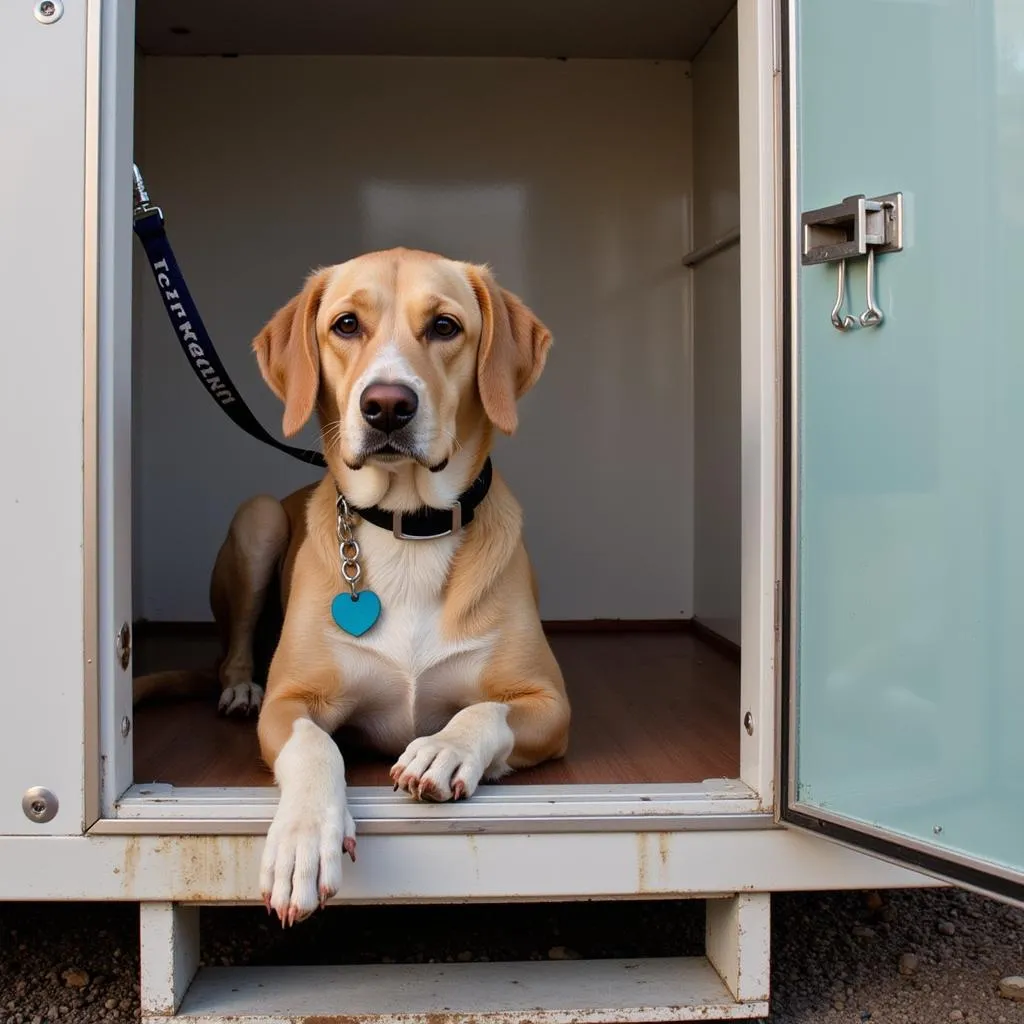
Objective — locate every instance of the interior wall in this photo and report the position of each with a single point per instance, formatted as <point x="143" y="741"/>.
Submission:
<point x="716" y="332"/>
<point x="572" y="179"/>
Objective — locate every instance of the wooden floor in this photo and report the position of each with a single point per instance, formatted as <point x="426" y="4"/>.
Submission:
<point x="647" y="707"/>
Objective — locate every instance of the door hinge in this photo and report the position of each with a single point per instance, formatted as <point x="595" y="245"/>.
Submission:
<point x="123" y="645"/>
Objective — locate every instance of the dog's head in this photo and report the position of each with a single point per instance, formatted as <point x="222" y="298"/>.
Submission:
<point x="406" y="355"/>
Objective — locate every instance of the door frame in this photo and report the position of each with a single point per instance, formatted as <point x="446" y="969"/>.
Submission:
<point x="958" y="869"/>
<point x="107" y="401"/>
<point x="108" y="543"/>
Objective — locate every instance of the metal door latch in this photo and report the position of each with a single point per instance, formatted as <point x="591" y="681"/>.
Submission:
<point x="857" y="227"/>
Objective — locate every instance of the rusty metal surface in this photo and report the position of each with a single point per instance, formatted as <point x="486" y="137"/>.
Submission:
<point x="409" y="868"/>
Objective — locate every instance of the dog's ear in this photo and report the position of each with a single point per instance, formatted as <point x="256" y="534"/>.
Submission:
<point x="513" y="349"/>
<point x="289" y="356"/>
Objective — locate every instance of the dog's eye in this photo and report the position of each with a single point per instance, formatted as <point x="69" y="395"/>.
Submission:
<point x="347" y="324"/>
<point x="443" y="328"/>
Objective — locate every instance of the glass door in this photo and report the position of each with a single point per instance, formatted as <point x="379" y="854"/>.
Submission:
<point x="904" y="719"/>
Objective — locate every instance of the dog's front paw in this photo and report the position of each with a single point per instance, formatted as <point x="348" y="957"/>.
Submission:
<point x="302" y="858"/>
<point x="438" y="768"/>
<point x="241" y="699"/>
<point x="312" y="829"/>
<point x="450" y="764"/>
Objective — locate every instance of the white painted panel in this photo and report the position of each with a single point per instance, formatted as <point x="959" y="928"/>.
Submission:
<point x="716" y="335"/>
<point x="547" y="992"/>
<point x="443" y="868"/>
<point x="571" y="178"/>
<point x="42" y="242"/>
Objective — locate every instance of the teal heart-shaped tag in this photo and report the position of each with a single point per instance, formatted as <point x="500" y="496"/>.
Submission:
<point x="356" y="613"/>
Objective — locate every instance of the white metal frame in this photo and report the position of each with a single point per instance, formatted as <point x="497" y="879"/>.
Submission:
<point x="760" y="329"/>
<point x="714" y="804"/>
<point x="44" y="295"/>
<point x="409" y="868"/>
<point x="143" y="808"/>
<point x="108" y="386"/>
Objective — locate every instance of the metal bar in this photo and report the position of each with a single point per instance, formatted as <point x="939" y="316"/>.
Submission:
<point x="729" y="239"/>
<point x="247" y="811"/>
<point x="725" y="821"/>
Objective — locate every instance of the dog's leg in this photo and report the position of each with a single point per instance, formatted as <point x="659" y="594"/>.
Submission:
<point x="485" y="740"/>
<point x="245" y="565"/>
<point x="312" y="827"/>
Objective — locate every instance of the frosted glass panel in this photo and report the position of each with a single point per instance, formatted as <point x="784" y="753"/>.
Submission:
<point x="910" y="693"/>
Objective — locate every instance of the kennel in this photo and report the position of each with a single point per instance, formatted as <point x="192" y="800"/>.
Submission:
<point x="804" y="677"/>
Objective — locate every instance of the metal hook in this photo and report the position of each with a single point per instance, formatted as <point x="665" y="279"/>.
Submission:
<point x="842" y="323"/>
<point x="141" y="204"/>
<point x="872" y="316"/>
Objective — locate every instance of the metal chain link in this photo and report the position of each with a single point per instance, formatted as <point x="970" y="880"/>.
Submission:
<point x="348" y="546"/>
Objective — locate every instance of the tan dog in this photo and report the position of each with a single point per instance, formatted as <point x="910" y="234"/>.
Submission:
<point x="411" y="360"/>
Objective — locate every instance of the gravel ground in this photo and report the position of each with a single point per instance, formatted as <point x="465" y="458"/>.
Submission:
<point x="891" y="958"/>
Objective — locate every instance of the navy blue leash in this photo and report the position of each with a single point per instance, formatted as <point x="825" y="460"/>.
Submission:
<point x="189" y="328"/>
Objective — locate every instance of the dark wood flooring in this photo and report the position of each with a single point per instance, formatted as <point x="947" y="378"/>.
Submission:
<point x="647" y="707"/>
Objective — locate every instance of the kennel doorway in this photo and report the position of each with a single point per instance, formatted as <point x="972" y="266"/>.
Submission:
<point x="610" y="201"/>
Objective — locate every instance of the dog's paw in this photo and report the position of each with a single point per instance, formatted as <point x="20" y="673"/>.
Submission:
<point x="438" y="768"/>
<point x="301" y="866"/>
<point x="241" y="699"/>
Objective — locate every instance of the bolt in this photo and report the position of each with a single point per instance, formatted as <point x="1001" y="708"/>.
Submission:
<point x="48" y="11"/>
<point x="39" y="805"/>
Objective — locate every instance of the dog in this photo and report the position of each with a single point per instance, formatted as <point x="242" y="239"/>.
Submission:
<point x="410" y="608"/>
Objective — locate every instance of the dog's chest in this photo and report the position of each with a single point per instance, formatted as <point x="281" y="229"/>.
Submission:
<point x="406" y="676"/>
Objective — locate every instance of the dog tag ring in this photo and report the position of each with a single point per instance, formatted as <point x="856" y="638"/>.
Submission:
<point x="357" y="611"/>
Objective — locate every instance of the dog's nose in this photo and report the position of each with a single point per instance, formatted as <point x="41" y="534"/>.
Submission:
<point x="388" y="407"/>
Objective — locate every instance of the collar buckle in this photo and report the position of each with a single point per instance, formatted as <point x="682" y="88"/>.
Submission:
<point x="400" y="534"/>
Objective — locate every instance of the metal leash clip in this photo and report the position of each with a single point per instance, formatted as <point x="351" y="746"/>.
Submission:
<point x="141" y="206"/>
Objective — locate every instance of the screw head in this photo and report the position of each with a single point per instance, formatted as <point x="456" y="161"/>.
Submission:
<point x="126" y="726"/>
<point x="937" y="829"/>
<point x="48" y="11"/>
<point x="39" y="805"/>
<point x="748" y="723"/>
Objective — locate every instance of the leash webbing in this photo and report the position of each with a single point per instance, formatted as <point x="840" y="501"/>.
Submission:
<point x="191" y="332"/>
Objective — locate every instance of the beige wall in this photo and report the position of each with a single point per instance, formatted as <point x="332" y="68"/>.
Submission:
<point x="716" y="334"/>
<point x="572" y="178"/>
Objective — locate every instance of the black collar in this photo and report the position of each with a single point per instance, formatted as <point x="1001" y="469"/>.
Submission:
<point x="432" y="523"/>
